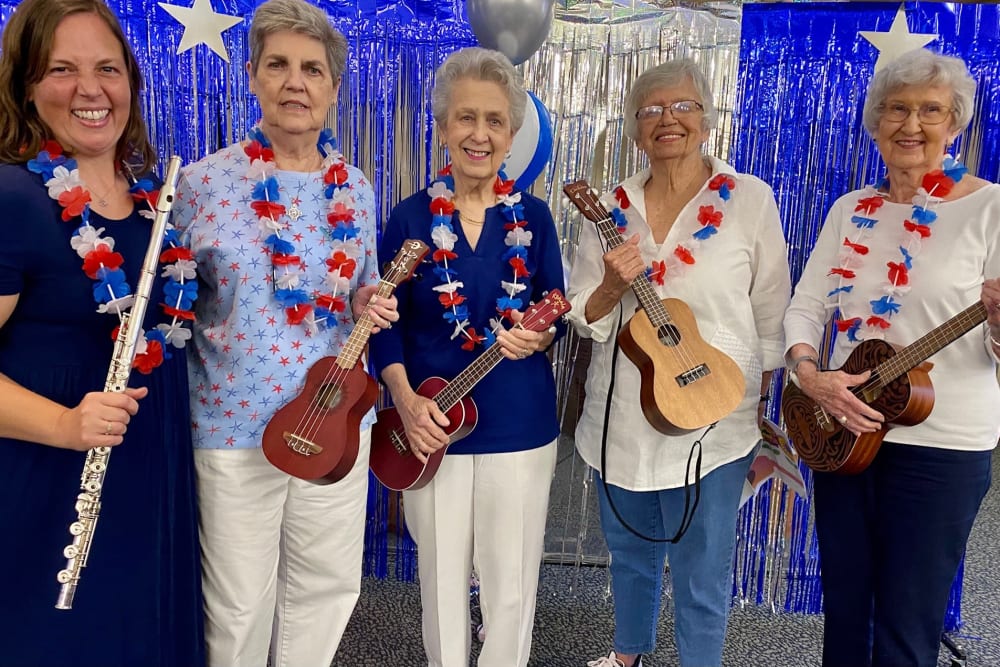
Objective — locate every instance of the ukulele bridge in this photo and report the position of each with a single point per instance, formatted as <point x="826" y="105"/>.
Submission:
<point x="301" y="445"/>
<point x="693" y="375"/>
<point x="398" y="441"/>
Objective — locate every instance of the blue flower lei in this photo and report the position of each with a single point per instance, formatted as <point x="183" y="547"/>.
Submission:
<point x="318" y="311"/>
<point x="103" y="265"/>
<point x="935" y="185"/>
<point x="518" y="238"/>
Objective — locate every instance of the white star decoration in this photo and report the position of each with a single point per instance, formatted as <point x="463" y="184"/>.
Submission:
<point x="897" y="41"/>
<point x="202" y="25"/>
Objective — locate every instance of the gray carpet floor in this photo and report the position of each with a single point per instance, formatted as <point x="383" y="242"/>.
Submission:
<point x="574" y="621"/>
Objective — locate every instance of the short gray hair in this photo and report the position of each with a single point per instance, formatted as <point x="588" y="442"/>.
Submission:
<point x="299" y="17"/>
<point x="922" y="68"/>
<point x="480" y="65"/>
<point x="666" y="75"/>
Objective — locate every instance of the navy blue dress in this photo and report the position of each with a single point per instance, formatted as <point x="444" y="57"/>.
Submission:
<point x="138" y="603"/>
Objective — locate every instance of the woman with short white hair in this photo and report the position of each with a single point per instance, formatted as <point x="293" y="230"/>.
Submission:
<point x="893" y="262"/>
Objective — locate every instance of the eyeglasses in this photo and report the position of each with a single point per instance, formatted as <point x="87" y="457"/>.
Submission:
<point x="676" y="109"/>
<point x="928" y="114"/>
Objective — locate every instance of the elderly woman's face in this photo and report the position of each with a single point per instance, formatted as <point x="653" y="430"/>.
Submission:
<point x="293" y="84"/>
<point x="84" y="97"/>
<point x="673" y="134"/>
<point x="915" y="141"/>
<point x="478" y="129"/>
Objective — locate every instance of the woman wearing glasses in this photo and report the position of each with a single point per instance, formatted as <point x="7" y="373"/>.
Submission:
<point x="894" y="262"/>
<point x="711" y="237"/>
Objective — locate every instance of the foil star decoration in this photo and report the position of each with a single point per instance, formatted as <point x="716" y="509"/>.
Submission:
<point x="897" y="41"/>
<point x="202" y="25"/>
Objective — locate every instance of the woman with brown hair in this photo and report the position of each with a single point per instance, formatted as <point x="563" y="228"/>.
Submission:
<point x="70" y="137"/>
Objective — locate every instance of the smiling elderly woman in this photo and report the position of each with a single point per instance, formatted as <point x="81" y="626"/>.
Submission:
<point x="496" y="251"/>
<point x="710" y="237"/>
<point x="281" y="283"/>
<point x="907" y="517"/>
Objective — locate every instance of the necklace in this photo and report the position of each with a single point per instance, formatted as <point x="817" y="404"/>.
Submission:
<point x="319" y="310"/>
<point x="102" y="200"/>
<point x="934" y="187"/>
<point x="443" y="236"/>
<point x="470" y="221"/>
<point x="683" y="256"/>
<point x="103" y="265"/>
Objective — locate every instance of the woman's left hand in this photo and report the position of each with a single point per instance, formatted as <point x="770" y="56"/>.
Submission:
<point x="991" y="299"/>
<point x="381" y="310"/>
<point x="518" y="343"/>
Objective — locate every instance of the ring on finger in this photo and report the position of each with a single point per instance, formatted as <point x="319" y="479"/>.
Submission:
<point x="843" y="419"/>
<point x="107" y="428"/>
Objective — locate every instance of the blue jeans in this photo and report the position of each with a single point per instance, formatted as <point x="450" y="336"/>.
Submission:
<point x="890" y="541"/>
<point x="700" y="563"/>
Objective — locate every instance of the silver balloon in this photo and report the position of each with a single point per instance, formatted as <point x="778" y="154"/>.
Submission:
<point x="515" y="28"/>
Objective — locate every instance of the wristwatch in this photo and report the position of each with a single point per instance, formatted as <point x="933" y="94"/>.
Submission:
<point x="792" y="375"/>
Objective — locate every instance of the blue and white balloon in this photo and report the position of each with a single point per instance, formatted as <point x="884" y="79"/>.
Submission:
<point x="532" y="145"/>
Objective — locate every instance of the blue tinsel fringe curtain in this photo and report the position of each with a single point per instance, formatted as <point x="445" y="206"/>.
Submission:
<point x="804" y="70"/>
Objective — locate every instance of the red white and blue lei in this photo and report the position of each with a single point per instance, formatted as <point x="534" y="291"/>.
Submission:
<point x="103" y="265"/>
<point x="935" y="186"/>
<point x="518" y="239"/>
<point x="683" y="256"/>
<point x="316" y="311"/>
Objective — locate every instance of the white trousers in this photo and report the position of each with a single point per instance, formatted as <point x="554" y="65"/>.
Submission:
<point x="490" y="509"/>
<point x="281" y="558"/>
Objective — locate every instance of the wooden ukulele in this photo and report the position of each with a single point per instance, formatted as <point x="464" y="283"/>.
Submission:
<point x="685" y="382"/>
<point x="391" y="459"/>
<point x="899" y="387"/>
<point x="315" y="436"/>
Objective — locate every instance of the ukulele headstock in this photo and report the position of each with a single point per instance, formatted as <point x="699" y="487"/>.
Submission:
<point x="405" y="262"/>
<point x="585" y="198"/>
<point x="540" y="316"/>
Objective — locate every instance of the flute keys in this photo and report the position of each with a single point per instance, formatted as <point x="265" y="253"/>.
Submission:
<point x="76" y="528"/>
<point x="71" y="551"/>
<point x="64" y="576"/>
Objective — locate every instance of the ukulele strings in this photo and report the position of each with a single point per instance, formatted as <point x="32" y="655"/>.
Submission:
<point x="312" y="419"/>
<point x="493" y="351"/>
<point x="615" y="239"/>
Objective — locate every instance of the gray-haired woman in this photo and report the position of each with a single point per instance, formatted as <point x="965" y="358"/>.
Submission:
<point x="283" y="231"/>
<point x="705" y="234"/>
<point x="894" y="262"/>
<point x="496" y="250"/>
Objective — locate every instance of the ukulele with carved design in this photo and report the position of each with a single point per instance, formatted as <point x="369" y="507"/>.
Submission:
<point x="899" y="387"/>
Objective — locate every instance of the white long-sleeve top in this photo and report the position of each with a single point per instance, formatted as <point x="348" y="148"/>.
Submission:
<point x="945" y="279"/>
<point x="737" y="289"/>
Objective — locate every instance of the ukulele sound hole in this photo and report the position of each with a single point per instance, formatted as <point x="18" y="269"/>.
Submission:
<point x="328" y="396"/>
<point x="668" y="335"/>
<point x="698" y="372"/>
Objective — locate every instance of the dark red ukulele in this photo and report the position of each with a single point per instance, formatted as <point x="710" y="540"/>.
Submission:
<point x="391" y="459"/>
<point x="315" y="436"/>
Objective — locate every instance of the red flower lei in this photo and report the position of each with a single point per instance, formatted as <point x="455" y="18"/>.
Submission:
<point x="709" y="217"/>
<point x="103" y="265"/>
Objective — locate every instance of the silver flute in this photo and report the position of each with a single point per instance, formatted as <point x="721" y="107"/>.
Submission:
<point x="88" y="502"/>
